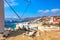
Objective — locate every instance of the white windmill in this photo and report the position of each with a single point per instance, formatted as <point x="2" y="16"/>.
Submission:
<point x="1" y="16"/>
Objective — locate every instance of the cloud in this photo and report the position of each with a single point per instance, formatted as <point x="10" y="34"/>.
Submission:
<point x="40" y="11"/>
<point x="48" y="11"/>
<point x="55" y="10"/>
<point x="43" y="11"/>
<point x="11" y="17"/>
<point x="11" y="2"/>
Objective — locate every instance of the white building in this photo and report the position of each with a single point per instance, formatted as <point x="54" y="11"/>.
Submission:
<point x="21" y="25"/>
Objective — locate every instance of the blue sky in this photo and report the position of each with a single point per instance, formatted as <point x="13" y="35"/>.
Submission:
<point x="36" y="8"/>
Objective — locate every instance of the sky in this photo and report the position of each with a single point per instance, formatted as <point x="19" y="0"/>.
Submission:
<point x="36" y="8"/>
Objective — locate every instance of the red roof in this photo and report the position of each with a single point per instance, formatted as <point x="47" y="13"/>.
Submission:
<point x="56" y="20"/>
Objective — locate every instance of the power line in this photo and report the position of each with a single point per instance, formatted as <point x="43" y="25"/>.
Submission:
<point x="13" y="10"/>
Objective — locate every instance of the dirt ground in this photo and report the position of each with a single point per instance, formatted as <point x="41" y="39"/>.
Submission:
<point x="50" y="35"/>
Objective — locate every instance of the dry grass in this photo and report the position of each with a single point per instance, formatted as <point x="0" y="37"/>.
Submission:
<point x="51" y="35"/>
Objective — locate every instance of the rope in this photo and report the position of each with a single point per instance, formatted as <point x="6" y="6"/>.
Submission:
<point x="29" y="2"/>
<point x="13" y="10"/>
<point x="25" y="10"/>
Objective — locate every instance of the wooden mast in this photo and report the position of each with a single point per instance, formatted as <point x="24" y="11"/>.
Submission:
<point x="1" y="16"/>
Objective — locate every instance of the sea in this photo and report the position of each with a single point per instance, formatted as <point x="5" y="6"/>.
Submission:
<point x="10" y="25"/>
<point x="13" y="24"/>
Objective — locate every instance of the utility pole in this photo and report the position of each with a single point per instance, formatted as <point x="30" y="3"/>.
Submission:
<point x="1" y="16"/>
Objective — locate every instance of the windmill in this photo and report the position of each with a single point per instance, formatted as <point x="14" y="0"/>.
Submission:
<point x="2" y="13"/>
<point x="1" y="16"/>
